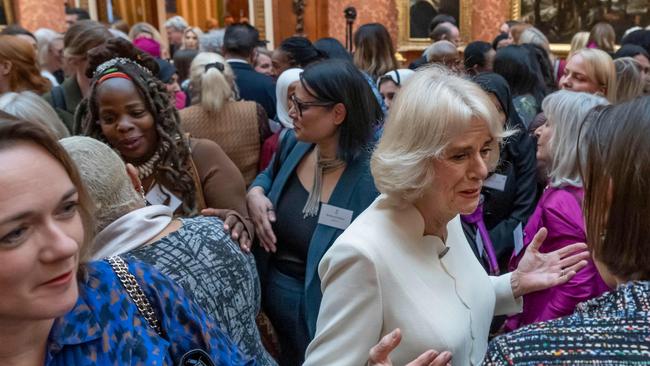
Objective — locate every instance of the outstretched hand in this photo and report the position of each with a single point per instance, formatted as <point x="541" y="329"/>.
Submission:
<point x="538" y="271"/>
<point x="380" y="353"/>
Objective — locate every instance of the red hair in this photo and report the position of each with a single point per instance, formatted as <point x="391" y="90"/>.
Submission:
<point x="24" y="74"/>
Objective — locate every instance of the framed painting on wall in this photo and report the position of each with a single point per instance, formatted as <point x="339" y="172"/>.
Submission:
<point x="6" y="13"/>
<point x="414" y="17"/>
<point x="561" y="19"/>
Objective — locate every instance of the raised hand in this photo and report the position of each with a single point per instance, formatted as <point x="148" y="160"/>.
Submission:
<point x="539" y="271"/>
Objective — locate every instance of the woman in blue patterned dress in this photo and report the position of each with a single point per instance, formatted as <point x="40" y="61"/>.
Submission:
<point x="56" y="311"/>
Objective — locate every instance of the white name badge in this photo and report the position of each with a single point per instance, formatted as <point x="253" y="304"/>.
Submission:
<point x="159" y="195"/>
<point x="518" y="235"/>
<point x="496" y="181"/>
<point x="333" y="216"/>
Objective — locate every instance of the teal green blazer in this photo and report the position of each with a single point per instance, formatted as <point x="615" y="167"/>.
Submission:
<point x="354" y="191"/>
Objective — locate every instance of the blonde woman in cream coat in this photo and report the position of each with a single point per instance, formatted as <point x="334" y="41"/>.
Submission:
<point x="405" y="262"/>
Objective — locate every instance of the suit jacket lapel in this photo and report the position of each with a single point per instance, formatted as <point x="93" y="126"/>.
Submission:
<point x="322" y="237"/>
<point x="288" y="166"/>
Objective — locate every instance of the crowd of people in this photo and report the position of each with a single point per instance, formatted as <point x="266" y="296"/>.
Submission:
<point x="214" y="202"/>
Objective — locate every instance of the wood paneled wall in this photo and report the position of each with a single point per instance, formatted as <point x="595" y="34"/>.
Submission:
<point x="135" y="11"/>
<point x="196" y="12"/>
<point x="316" y="22"/>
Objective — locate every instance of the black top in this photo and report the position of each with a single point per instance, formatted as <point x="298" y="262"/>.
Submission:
<point x="292" y="231"/>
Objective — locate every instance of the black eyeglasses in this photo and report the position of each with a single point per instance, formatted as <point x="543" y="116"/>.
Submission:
<point x="301" y="106"/>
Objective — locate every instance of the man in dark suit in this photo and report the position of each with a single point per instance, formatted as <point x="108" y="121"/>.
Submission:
<point x="238" y="46"/>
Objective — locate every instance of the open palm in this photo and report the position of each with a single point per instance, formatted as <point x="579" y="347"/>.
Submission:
<point x="538" y="271"/>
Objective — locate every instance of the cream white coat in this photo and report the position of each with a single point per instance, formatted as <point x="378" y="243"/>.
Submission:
<point x="382" y="274"/>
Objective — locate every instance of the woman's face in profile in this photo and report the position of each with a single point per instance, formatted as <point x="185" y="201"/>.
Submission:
<point x="40" y="235"/>
<point x="280" y="61"/>
<point x="576" y="79"/>
<point x="291" y="90"/>
<point x="263" y="64"/>
<point x="125" y="121"/>
<point x="313" y="120"/>
<point x="544" y="134"/>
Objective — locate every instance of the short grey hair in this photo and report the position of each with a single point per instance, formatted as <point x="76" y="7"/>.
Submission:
<point x="177" y="22"/>
<point x="534" y="36"/>
<point x="31" y="107"/>
<point x="629" y="79"/>
<point x="565" y="111"/>
<point x="432" y="108"/>
<point x="104" y="176"/>
<point x="440" y="50"/>
<point x="212" y="41"/>
<point x="44" y="38"/>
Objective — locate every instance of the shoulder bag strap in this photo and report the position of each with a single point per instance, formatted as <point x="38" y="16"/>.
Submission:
<point x="134" y="290"/>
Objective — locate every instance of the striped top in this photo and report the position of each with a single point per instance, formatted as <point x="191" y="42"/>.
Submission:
<point x="613" y="329"/>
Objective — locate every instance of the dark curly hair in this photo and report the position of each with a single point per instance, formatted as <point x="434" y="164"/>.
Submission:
<point x="174" y="167"/>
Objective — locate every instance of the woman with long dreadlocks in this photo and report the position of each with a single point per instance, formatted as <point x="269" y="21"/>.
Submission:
<point x="129" y="109"/>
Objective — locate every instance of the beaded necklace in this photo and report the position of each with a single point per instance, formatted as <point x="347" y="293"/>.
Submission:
<point x="146" y="169"/>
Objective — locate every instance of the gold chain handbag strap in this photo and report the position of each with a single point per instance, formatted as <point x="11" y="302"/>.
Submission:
<point x="135" y="292"/>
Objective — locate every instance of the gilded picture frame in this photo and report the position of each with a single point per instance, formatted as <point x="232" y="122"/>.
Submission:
<point x="559" y="49"/>
<point x="8" y="11"/>
<point x="407" y="43"/>
<point x="559" y="20"/>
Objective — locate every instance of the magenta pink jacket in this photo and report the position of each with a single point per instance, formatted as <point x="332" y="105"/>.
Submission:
<point x="559" y="211"/>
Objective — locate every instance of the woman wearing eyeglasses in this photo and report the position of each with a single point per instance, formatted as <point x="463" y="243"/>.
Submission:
<point x="318" y="182"/>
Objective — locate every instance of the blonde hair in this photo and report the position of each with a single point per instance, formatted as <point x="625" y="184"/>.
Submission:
<point x="629" y="79"/>
<point x="31" y="107"/>
<point x="211" y="88"/>
<point x="578" y="42"/>
<point x="197" y="31"/>
<point x="566" y="110"/>
<point x="600" y="68"/>
<point x="432" y="107"/>
<point x="142" y="27"/>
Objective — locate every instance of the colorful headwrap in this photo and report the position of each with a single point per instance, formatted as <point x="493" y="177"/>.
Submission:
<point x="111" y="66"/>
<point x="111" y="74"/>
